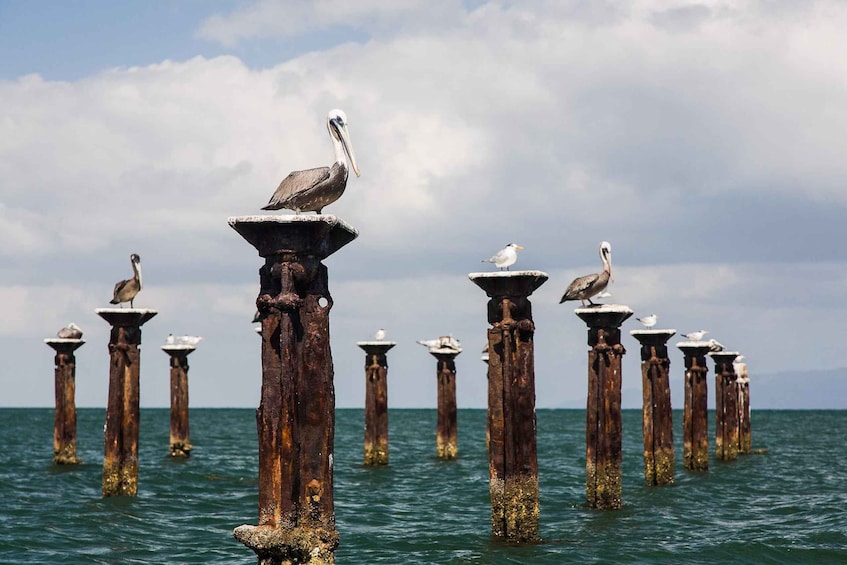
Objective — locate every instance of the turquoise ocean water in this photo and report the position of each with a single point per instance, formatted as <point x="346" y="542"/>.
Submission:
<point x="786" y="506"/>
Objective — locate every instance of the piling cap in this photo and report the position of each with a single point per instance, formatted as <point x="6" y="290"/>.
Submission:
<point x="652" y="337"/>
<point x="374" y="346"/>
<point x="176" y="349"/>
<point x="444" y="351"/>
<point x="318" y="235"/>
<point x="604" y="315"/>
<point x="68" y="344"/>
<point x="126" y="317"/>
<point x="509" y="283"/>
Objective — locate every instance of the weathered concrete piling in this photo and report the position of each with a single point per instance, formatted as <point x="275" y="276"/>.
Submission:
<point x="726" y="406"/>
<point x="64" y="419"/>
<point x="180" y="442"/>
<point x="513" y="461"/>
<point x="446" y="429"/>
<point x="603" y="453"/>
<point x="376" y="401"/>
<point x="695" y="429"/>
<point x="745" y="440"/>
<point x="296" y="414"/>
<point x="120" y="460"/>
<point x="657" y="421"/>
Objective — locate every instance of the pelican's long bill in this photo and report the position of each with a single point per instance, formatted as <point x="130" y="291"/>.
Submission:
<point x="344" y="136"/>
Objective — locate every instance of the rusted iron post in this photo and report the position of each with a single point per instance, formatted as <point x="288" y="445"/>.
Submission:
<point x="120" y="459"/>
<point x="695" y="429"/>
<point x="484" y="359"/>
<point x="603" y="454"/>
<point x="180" y="443"/>
<point x="745" y="440"/>
<point x="446" y="429"/>
<point x="657" y="421"/>
<point x="512" y="455"/>
<point x="64" y="419"/>
<point x="296" y="414"/>
<point x="726" y="406"/>
<point x="376" y="401"/>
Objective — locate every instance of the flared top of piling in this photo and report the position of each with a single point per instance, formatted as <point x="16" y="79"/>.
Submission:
<point x="126" y="317"/>
<point x="178" y="349"/>
<point x="64" y="345"/>
<point x="509" y="283"/>
<point x="652" y="337"/>
<point x="724" y="356"/>
<point x="316" y="235"/>
<point x="695" y="348"/>
<point x="604" y="315"/>
<point x="376" y="347"/>
<point x="444" y="351"/>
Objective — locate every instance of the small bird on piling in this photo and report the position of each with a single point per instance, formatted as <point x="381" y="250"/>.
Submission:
<point x="71" y="331"/>
<point x="169" y="340"/>
<point x="190" y="340"/>
<point x="715" y="347"/>
<point x="695" y="336"/>
<point x="125" y="291"/>
<point x="313" y="189"/>
<point x="430" y="342"/>
<point x="584" y="288"/>
<point x="648" y="321"/>
<point x="379" y="335"/>
<point x="506" y="257"/>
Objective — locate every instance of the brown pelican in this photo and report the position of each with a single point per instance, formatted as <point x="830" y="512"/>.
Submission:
<point x="648" y="321"/>
<point x="312" y="189"/>
<point x="125" y="291"/>
<point x="583" y="288"/>
<point x="695" y="336"/>
<point x="506" y="257"/>
<point x="71" y="331"/>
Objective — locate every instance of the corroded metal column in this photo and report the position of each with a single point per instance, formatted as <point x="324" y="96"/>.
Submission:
<point x="726" y="406"/>
<point x="603" y="454"/>
<point x="484" y="359"/>
<point x="695" y="428"/>
<point x="64" y="420"/>
<point x="296" y="415"/>
<point x="512" y="455"/>
<point x="745" y="441"/>
<point x="376" y="401"/>
<point x="180" y="443"/>
<point x="657" y="421"/>
<point x="446" y="429"/>
<point x="120" y="460"/>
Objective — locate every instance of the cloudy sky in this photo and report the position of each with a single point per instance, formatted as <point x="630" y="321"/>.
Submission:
<point x="704" y="140"/>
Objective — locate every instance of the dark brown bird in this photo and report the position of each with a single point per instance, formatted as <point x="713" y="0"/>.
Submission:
<point x="312" y="189"/>
<point x="583" y="288"/>
<point x="125" y="291"/>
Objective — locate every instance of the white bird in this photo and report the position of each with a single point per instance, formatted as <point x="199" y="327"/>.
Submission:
<point x="430" y="342"/>
<point x="584" y="288"/>
<point x="71" y="331"/>
<point x="190" y="340"/>
<point x="450" y="342"/>
<point x="169" y="340"/>
<point x="715" y="346"/>
<point x="604" y="294"/>
<point x="379" y="335"/>
<point x="695" y="336"/>
<point x="506" y="257"/>
<point x="258" y="329"/>
<point x="648" y="321"/>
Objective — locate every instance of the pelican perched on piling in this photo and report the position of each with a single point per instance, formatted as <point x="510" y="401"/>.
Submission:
<point x="125" y="291"/>
<point x="583" y="288"/>
<point x="313" y="189"/>
<point x="506" y="257"/>
<point x="71" y="331"/>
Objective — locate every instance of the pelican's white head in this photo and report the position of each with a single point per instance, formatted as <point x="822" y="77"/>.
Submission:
<point x="336" y="123"/>
<point x="606" y="257"/>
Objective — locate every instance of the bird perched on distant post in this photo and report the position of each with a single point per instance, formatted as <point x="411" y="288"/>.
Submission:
<point x="379" y="335"/>
<point x="584" y="288"/>
<point x="648" y="321"/>
<point x="715" y="346"/>
<point x="695" y="336"/>
<point x="71" y="331"/>
<point x="430" y="342"/>
<point x="125" y="291"/>
<point x="190" y="340"/>
<point x="506" y="257"/>
<point x="313" y="189"/>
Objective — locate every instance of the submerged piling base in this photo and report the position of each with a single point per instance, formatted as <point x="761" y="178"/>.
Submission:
<point x="287" y="546"/>
<point x="514" y="507"/>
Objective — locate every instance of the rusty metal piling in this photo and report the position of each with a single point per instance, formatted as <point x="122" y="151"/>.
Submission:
<point x="745" y="441"/>
<point x="603" y="453"/>
<point x="120" y="459"/>
<point x="513" y="460"/>
<point x="64" y="420"/>
<point x="296" y="415"/>
<point x="695" y="429"/>
<point x="180" y="442"/>
<point x="376" y="401"/>
<point x="726" y="406"/>
<point x="657" y="421"/>
<point x="446" y="429"/>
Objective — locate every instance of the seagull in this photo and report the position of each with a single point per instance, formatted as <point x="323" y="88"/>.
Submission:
<point x="430" y="342"/>
<point x="125" y="291"/>
<point x="71" y="331"/>
<point x="648" y="321"/>
<point x="379" y="335"/>
<point x="190" y="340"/>
<point x="450" y="342"/>
<point x="714" y="346"/>
<point x="506" y="257"/>
<point x="312" y="189"/>
<point x="695" y="336"/>
<point x="583" y="288"/>
<point x="169" y="340"/>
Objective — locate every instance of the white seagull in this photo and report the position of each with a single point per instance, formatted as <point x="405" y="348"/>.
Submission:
<point x="648" y="321"/>
<point x="191" y="340"/>
<point x="506" y="257"/>
<point x="169" y="340"/>
<point x="379" y="335"/>
<point x="695" y="336"/>
<point x="71" y="331"/>
<point x="430" y="342"/>
<point x="715" y="346"/>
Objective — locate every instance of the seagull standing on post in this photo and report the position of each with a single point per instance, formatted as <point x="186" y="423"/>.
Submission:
<point x="648" y="321"/>
<point x="506" y="257"/>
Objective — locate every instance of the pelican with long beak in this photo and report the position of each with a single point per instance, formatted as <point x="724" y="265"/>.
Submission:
<point x="125" y="291"/>
<point x="584" y="288"/>
<point x="313" y="189"/>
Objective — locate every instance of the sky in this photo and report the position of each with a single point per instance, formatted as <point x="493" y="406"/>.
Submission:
<point x="704" y="140"/>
